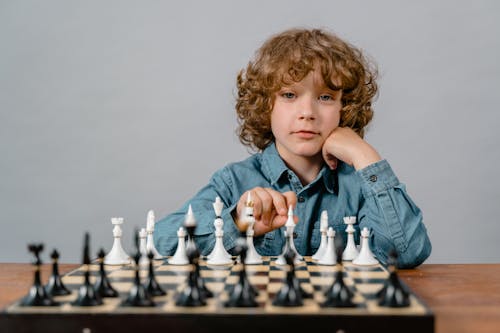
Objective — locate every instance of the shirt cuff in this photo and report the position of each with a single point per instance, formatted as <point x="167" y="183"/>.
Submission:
<point x="377" y="177"/>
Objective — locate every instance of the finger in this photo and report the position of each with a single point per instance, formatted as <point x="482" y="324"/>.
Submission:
<point x="279" y="201"/>
<point x="266" y="204"/>
<point x="330" y="160"/>
<point x="291" y="199"/>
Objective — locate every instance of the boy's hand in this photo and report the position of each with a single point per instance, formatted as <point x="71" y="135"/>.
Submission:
<point x="346" y="145"/>
<point x="270" y="209"/>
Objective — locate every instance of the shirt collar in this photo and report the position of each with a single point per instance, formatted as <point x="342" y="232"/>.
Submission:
<point x="275" y="167"/>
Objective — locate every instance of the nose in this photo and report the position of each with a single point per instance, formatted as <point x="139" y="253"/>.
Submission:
<point x="307" y="109"/>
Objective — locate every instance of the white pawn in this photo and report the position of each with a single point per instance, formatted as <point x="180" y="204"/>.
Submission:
<point x="329" y="258"/>
<point x="252" y="256"/>
<point x="290" y="227"/>
<point x="219" y="255"/>
<point x="150" y="228"/>
<point x="219" y="225"/>
<point x="350" y="251"/>
<point x="144" y="261"/>
<point x="323" y="227"/>
<point x="117" y="255"/>
<point x="365" y="257"/>
<point x="180" y="255"/>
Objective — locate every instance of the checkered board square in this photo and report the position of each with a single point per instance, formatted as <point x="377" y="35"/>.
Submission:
<point x="267" y="278"/>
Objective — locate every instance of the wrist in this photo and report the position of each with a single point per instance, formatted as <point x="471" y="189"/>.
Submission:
<point x="365" y="157"/>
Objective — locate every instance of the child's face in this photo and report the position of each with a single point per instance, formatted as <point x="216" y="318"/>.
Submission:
<point x="303" y="116"/>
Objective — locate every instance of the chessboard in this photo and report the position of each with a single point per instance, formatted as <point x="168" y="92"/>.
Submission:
<point x="267" y="278"/>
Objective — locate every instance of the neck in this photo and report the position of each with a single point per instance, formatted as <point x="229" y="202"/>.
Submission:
<point x="306" y="169"/>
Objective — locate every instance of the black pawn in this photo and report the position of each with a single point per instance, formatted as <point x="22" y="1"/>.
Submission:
<point x="138" y="295"/>
<point x="290" y="293"/>
<point x="55" y="286"/>
<point x="193" y="293"/>
<point x="37" y="295"/>
<point x="152" y="286"/>
<point x="393" y="294"/>
<point x="339" y="295"/>
<point x="87" y="295"/>
<point x="103" y="286"/>
<point x="243" y="294"/>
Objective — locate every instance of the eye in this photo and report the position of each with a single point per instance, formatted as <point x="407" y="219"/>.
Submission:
<point x="288" y="95"/>
<point x="325" y="98"/>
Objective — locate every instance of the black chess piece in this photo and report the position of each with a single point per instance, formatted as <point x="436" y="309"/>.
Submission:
<point x="138" y="295"/>
<point x="243" y="294"/>
<point x="37" y="295"/>
<point x="290" y="293"/>
<point x="393" y="294"/>
<point x="339" y="295"/>
<point x="87" y="295"/>
<point x="152" y="286"/>
<point x="194" y="293"/>
<point x="102" y="286"/>
<point x="287" y="247"/>
<point x="55" y="286"/>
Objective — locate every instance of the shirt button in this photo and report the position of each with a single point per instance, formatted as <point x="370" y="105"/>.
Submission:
<point x="301" y="199"/>
<point x="373" y="178"/>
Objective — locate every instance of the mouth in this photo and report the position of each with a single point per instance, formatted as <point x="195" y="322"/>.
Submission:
<point x="305" y="134"/>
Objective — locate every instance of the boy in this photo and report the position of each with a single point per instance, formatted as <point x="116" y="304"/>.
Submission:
<point x="303" y="103"/>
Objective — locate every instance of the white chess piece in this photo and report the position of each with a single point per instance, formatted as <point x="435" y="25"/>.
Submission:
<point x="290" y="227"/>
<point x="350" y="251"/>
<point x="180" y="256"/>
<point x="117" y="255"/>
<point x="190" y="221"/>
<point x="323" y="227"/>
<point x="329" y="258"/>
<point x="219" y="235"/>
<point x="144" y="261"/>
<point x="365" y="257"/>
<point x="150" y="228"/>
<point x="219" y="255"/>
<point x="252" y="256"/>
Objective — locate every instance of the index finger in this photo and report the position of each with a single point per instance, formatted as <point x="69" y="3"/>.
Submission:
<point x="291" y="198"/>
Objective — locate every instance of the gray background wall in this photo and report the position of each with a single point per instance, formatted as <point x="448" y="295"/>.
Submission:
<point x="112" y="108"/>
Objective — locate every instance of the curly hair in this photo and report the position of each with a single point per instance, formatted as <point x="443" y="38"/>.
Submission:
<point x="288" y="57"/>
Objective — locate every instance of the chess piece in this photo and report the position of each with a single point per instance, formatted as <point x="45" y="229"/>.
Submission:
<point x="195" y="291"/>
<point x="252" y="257"/>
<point x="338" y="294"/>
<point x="87" y="295"/>
<point x="117" y="255"/>
<point x="150" y="228"/>
<point x="37" y="295"/>
<point x="289" y="294"/>
<point x="55" y="286"/>
<point x="323" y="227"/>
<point x="329" y="257"/>
<point x="219" y="255"/>
<point x="180" y="256"/>
<point x="290" y="227"/>
<point x="393" y="294"/>
<point x="350" y="251"/>
<point x="152" y="285"/>
<point x="138" y="295"/>
<point x="243" y="294"/>
<point x="103" y="286"/>
<point x="365" y="256"/>
<point x="142" y="247"/>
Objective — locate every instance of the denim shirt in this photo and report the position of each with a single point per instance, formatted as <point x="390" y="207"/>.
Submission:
<point x="373" y="194"/>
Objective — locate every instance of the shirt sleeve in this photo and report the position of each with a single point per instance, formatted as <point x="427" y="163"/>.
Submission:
<point x="165" y="233"/>
<point x="392" y="216"/>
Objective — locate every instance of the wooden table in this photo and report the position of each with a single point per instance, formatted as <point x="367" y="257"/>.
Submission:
<point x="464" y="298"/>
